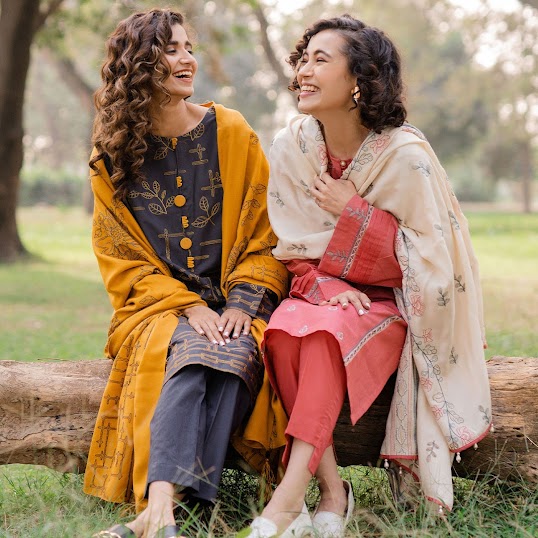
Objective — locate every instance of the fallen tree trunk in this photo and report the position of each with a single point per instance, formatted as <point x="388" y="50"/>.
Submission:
<point x="48" y="410"/>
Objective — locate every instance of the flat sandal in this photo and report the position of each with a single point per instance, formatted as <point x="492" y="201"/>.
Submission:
<point x="116" y="531"/>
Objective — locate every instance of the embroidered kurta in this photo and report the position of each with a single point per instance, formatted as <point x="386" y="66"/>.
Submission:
<point x="370" y="344"/>
<point x="147" y="301"/>
<point x="442" y="402"/>
<point x="179" y="208"/>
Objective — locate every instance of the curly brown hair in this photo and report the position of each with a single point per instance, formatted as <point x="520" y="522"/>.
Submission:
<point x="131" y="74"/>
<point x="374" y="61"/>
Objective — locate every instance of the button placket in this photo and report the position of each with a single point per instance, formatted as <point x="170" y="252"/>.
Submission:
<point x="179" y="201"/>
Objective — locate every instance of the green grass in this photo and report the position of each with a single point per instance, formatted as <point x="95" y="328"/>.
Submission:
<point x="54" y="306"/>
<point x="507" y="248"/>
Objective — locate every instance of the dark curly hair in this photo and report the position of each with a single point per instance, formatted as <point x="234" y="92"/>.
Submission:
<point x="373" y="60"/>
<point x="131" y="74"/>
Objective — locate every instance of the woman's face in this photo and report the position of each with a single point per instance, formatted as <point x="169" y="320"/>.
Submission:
<point x="326" y="84"/>
<point x="183" y="66"/>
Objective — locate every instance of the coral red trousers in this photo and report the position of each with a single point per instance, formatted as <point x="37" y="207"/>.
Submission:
<point x="309" y="377"/>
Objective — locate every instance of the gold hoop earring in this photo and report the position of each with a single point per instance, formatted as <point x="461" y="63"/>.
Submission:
<point x="356" y="94"/>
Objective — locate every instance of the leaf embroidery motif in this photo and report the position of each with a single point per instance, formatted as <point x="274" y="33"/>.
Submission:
<point x="443" y="298"/>
<point x="278" y="200"/>
<point x="301" y="249"/>
<point x="202" y="221"/>
<point x="154" y="193"/>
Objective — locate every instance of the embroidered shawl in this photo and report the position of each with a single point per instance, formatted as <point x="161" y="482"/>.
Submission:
<point x="147" y="301"/>
<point x="441" y="403"/>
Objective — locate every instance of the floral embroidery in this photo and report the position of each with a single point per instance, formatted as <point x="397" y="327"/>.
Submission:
<point x="291" y="308"/>
<point x="303" y="329"/>
<point x="379" y="144"/>
<point x="333" y="308"/>
<point x="322" y="154"/>
<point x="427" y="335"/>
<point x="453" y="356"/>
<point x="437" y="412"/>
<point x="417" y="305"/>
<point x="465" y="434"/>
<point x="340" y="335"/>
<point x="426" y="383"/>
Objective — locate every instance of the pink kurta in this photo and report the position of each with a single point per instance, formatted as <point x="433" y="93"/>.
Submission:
<point x="371" y="344"/>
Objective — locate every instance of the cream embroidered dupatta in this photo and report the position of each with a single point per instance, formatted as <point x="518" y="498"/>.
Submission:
<point x="441" y="403"/>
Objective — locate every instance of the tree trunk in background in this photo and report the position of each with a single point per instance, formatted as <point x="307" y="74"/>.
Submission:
<point x="17" y="24"/>
<point x="20" y="20"/>
<point x="526" y="177"/>
<point x="48" y="411"/>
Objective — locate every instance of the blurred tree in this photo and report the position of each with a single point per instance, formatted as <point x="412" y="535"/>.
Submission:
<point x="19" y="22"/>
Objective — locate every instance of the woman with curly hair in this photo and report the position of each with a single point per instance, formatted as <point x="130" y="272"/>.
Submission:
<point x="384" y="280"/>
<point x="183" y="242"/>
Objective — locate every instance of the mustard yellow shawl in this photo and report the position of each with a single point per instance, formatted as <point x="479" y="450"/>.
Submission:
<point x="147" y="301"/>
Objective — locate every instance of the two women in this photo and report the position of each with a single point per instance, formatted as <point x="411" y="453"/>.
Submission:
<point x="384" y="279"/>
<point x="183" y="242"/>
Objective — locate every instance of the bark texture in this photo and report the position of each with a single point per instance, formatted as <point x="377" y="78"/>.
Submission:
<point x="48" y="410"/>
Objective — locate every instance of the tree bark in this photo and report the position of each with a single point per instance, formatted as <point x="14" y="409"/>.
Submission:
<point x="48" y="410"/>
<point x="17" y="22"/>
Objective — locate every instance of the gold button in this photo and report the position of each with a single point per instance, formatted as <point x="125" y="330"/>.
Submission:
<point x="179" y="181"/>
<point x="185" y="243"/>
<point x="180" y="200"/>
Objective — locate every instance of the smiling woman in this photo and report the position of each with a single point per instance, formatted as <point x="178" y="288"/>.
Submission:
<point x="183" y="242"/>
<point x="384" y="280"/>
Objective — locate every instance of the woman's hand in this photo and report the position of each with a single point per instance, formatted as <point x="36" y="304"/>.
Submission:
<point x="233" y="321"/>
<point x="358" y="299"/>
<point x="205" y="322"/>
<point x="332" y="195"/>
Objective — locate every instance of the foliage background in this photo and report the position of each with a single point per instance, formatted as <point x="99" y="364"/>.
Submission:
<point x="471" y="75"/>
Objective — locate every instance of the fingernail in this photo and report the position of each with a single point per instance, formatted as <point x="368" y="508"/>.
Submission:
<point x="367" y="305"/>
<point x="215" y="342"/>
<point x="221" y="329"/>
<point x="227" y="340"/>
<point x="236" y="335"/>
<point x="226" y="333"/>
<point x="222" y="343"/>
<point x="361" y="312"/>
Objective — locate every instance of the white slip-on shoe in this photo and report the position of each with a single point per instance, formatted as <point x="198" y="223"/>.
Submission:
<point x="331" y="525"/>
<point x="301" y="526"/>
<point x="262" y="527"/>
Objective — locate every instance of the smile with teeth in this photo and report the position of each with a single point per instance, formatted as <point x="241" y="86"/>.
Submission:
<point x="308" y="88"/>
<point x="183" y="74"/>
